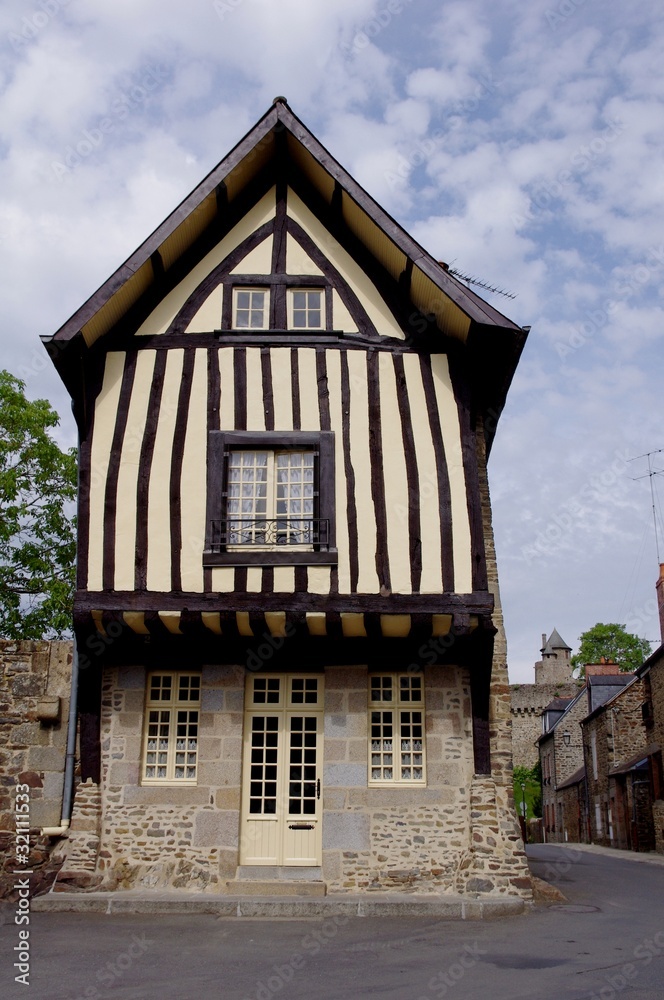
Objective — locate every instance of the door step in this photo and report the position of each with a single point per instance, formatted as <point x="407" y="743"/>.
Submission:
<point x="280" y="873"/>
<point x="269" y="887"/>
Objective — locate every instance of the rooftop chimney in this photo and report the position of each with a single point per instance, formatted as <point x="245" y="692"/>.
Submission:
<point x="659" y="587"/>
<point x="604" y="668"/>
<point x="543" y="639"/>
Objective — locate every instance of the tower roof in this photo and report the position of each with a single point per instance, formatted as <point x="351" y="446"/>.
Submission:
<point x="555" y="642"/>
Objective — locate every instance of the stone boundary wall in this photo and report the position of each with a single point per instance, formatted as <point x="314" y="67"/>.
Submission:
<point x="528" y="701"/>
<point x="35" y="679"/>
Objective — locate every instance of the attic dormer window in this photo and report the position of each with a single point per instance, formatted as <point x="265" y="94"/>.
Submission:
<point x="305" y="309"/>
<point x="250" y="308"/>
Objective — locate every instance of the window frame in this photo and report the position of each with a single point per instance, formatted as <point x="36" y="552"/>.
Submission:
<point x="291" y="309"/>
<point x="251" y="290"/>
<point x="220" y="443"/>
<point x="395" y="705"/>
<point x="278" y="311"/>
<point x="173" y="705"/>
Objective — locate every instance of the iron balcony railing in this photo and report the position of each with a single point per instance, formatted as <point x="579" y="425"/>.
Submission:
<point x="238" y="530"/>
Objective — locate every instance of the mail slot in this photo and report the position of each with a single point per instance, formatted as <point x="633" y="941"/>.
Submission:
<point x="300" y="826"/>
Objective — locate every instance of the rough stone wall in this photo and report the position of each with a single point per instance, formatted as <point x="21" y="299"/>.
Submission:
<point x="620" y="734"/>
<point x="597" y="779"/>
<point x="382" y="837"/>
<point x="554" y="669"/>
<point x="562" y="761"/>
<point x="455" y="834"/>
<point x="656" y="735"/>
<point x="573" y="814"/>
<point x="33" y="752"/>
<point x="187" y="836"/>
<point x="497" y="794"/>
<point x="528" y="701"/>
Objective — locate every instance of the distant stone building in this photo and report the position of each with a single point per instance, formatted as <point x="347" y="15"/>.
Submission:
<point x="553" y="679"/>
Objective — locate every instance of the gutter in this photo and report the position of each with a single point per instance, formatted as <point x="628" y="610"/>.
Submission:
<point x="70" y="759"/>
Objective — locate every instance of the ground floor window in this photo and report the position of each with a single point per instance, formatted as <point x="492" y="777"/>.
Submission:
<point x="396" y="729"/>
<point x="170" y="745"/>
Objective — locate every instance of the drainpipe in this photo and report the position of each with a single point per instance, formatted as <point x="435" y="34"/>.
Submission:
<point x="59" y="831"/>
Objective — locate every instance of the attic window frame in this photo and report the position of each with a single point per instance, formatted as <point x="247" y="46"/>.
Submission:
<point x="279" y="290"/>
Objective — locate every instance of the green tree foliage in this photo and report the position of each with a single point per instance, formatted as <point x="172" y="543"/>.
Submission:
<point x="37" y="529"/>
<point x="613" y="643"/>
<point x="532" y="779"/>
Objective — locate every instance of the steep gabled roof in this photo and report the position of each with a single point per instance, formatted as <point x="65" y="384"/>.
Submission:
<point x="277" y="146"/>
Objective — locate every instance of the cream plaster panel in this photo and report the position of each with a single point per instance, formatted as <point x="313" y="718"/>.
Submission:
<point x="254" y="579"/>
<point x="284" y="580"/>
<point x="159" y="501"/>
<point x="282" y="395"/>
<point x="193" y="482"/>
<point x="208" y="317"/>
<point x="125" y="518"/>
<point x="361" y="459"/>
<point x="396" y="483"/>
<point x="366" y="291"/>
<point x="227" y="386"/>
<point x="449" y="419"/>
<point x="258" y="260"/>
<point x="432" y="578"/>
<point x="336" y="420"/>
<point x="223" y="579"/>
<point x="297" y="261"/>
<point x="161" y="318"/>
<point x="255" y="406"/>
<point x="309" y="412"/>
<point x="341" y="318"/>
<point x="318" y="579"/>
<point x="106" y="410"/>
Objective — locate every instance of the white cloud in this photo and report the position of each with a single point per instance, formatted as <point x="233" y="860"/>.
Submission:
<point x="526" y="148"/>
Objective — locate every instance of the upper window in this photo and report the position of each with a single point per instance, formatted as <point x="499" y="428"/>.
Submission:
<point x="270" y="498"/>
<point x="279" y="306"/>
<point x="305" y="309"/>
<point x="396" y="729"/>
<point x="170" y="748"/>
<point x="250" y="308"/>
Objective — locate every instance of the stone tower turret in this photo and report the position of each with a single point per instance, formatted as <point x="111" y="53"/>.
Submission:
<point x="555" y="666"/>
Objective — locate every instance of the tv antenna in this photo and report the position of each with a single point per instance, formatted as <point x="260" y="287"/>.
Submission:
<point x="650" y="474"/>
<point x="470" y="280"/>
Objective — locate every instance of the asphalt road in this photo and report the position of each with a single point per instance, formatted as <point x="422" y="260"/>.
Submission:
<point x="606" y="942"/>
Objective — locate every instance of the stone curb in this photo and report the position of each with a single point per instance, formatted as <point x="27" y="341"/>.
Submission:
<point x="270" y="907"/>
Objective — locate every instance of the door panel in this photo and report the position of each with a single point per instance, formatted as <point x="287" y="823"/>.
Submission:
<point x="302" y="836"/>
<point x="281" y="795"/>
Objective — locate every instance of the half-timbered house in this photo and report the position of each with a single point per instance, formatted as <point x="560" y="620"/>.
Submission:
<point x="290" y="647"/>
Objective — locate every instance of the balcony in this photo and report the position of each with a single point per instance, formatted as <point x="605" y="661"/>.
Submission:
<point x="272" y="534"/>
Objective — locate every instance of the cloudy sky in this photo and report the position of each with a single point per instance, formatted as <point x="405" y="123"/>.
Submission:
<point x="521" y="141"/>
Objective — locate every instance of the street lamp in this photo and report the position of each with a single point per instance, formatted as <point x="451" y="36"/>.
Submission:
<point x="523" y="800"/>
<point x="567" y="739"/>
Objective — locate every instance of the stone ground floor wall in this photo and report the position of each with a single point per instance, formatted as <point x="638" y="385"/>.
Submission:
<point x="456" y="834"/>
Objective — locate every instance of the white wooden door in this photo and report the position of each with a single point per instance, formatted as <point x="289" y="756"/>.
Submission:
<point x="282" y="770"/>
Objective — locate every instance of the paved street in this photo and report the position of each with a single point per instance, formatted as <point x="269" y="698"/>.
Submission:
<point x="607" y="941"/>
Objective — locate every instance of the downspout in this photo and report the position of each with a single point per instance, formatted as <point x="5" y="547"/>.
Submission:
<point x="70" y="759"/>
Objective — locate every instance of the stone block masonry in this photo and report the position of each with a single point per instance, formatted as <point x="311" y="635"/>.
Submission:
<point x="35" y="681"/>
<point x="456" y="833"/>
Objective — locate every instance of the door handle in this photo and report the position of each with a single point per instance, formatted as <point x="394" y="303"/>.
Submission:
<point x="318" y="789"/>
